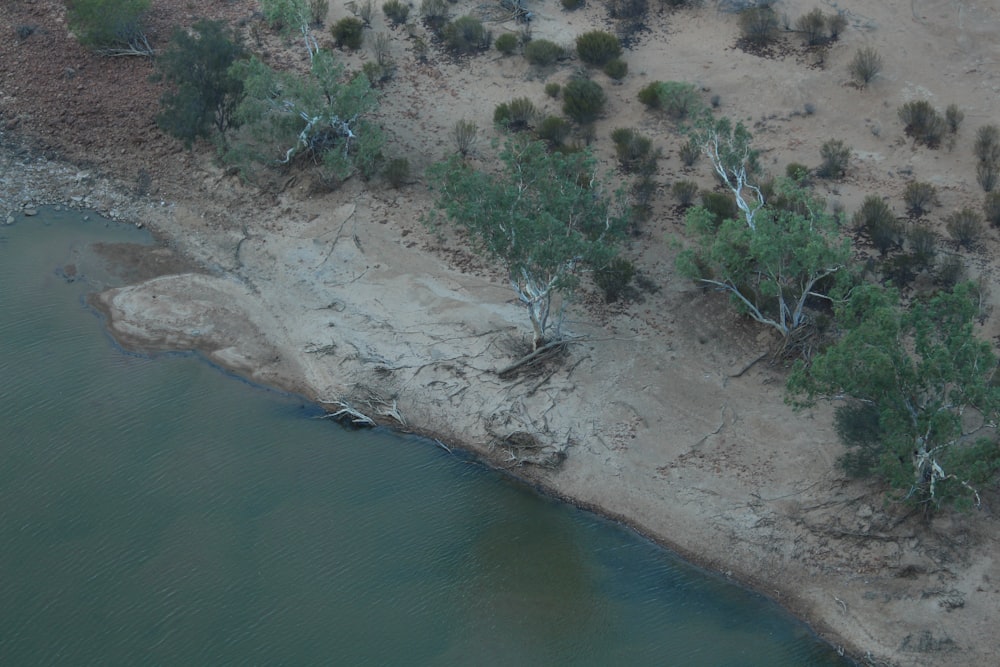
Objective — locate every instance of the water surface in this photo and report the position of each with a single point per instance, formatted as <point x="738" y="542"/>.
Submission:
<point x="159" y="511"/>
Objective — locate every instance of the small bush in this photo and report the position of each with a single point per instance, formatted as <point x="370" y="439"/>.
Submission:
<point x="836" y="24"/>
<point x="318" y="9"/>
<point x="507" y="43"/>
<point x="721" y="205"/>
<point x="397" y="172"/>
<point x="986" y="175"/>
<point x="614" y="279"/>
<point x="950" y="272"/>
<point x="616" y="68"/>
<point x="348" y="32"/>
<point x="923" y="246"/>
<point x="922" y="122"/>
<point x="396" y="11"/>
<point x="865" y="66"/>
<point x="836" y="158"/>
<point x="552" y="89"/>
<point x="987" y="146"/>
<point x="632" y="148"/>
<point x="583" y="100"/>
<point x="597" y="47"/>
<point x="365" y="11"/>
<point x="689" y="153"/>
<point x="465" y="35"/>
<point x="798" y="173"/>
<point x="516" y="115"/>
<point x="965" y="227"/>
<point x="954" y="117"/>
<point x="684" y="192"/>
<point x="542" y="52"/>
<point x="919" y="197"/>
<point x="812" y="26"/>
<point x="991" y="208"/>
<point x="553" y="130"/>
<point x="465" y="133"/>
<point x="110" y="26"/>
<point x="377" y="73"/>
<point x="759" y="25"/>
<point x="570" y="5"/>
<point x="878" y="222"/>
<point x="435" y="12"/>
<point x="857" y="425"/>
<point x="677" y="100"/>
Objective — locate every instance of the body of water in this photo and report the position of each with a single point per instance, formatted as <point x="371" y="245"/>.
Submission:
<point x="161" y="512"/>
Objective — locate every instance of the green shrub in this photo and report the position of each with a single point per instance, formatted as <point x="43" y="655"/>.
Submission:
<point x="516" y="115"/>
<point x="318" y="10"/>
<point x="759" y="25"/>
<point x="965" y="227"/>
<point x="614" y="279"/>
<point x="865" y="66"/>
<point x="397" y="172"/>
<point x="987" y="146"/>
<point x="542" y="52"/>
<point x="878" y="222"/>
<point x="348" y="32"/>
<point x="923" y="245"/>
<point x="466" y="34"/>
<point x="616" y="68"/>
<point x="553" y="130"/>
<point x="950" y="272"/>
<point x="797" y="172"/>
<point x="836" y="158"/>
<point x="721" y="205"/>
<point x="205" y="92"/>
<point x="507" y="43"/>
<point x="597" y="47"/>
<point x="684" y="192"/>
<point x="922" y="122"/>
<point x="987" y="174"/>
<point x="570" y="5"/>
<point x="583" y="100"/>
<point x="857" y="425"/>
<point x="677" y="100"/>
<point x="954" y="117"/>
<point x="812" y="25"/>
<point x="689" y="153"/>
<point x="396" y="11"/>
<point x="110" y="26"/>
<point x="991" y="208"/>
<point x="836" y="24"/>
<point x="377" y="73"/>
<point x="465" y="133"/>
<point x="435" y="13"/>
<point x="552" y="89"/>
<point x="632" y="148"/>
<point x="919" y="197"/>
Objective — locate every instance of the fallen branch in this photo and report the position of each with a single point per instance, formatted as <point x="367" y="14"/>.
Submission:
<point x="348" y="415"/>
<point x="534" y="357"/>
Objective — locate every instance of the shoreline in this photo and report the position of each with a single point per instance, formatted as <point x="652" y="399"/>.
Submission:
<point x="528" y="476"/>
<point x="743" y="558"/>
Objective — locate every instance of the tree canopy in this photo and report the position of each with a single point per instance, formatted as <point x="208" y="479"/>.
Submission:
<point x="322" y="115"/>
<point x="111" y="27"/>
<point x="206" y="90"/>
<point x="925" y="404"/>
<point x="770" y="269"/>
<point x="544" y="216"/>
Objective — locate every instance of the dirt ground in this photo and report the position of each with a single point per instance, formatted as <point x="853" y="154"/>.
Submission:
<point x="667" y="412"/>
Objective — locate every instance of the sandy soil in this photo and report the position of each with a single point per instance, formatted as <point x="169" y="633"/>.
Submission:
<point x="666" y="412"/>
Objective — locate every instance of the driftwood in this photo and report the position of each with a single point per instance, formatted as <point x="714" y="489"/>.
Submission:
<point x="546" y="351"/>
<point x="348" y="415"/>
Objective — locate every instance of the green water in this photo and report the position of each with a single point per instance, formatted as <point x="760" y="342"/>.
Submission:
<point x="161" y="512"/>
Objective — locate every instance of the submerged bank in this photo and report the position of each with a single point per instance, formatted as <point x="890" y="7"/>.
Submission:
<point x="658" y="431"/>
